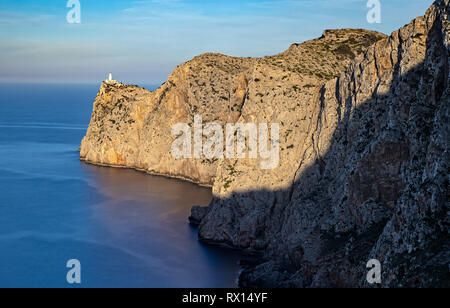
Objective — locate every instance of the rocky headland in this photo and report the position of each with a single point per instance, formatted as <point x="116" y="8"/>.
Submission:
<point x="363" y="163"/>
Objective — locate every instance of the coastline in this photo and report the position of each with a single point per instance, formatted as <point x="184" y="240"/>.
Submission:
<point x="168" y="176"/>
<point x="249" y="257"/>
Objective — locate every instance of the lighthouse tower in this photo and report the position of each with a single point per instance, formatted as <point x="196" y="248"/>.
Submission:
<point x="110" y="79"/>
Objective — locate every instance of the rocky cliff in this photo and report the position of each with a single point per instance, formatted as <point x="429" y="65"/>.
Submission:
<point x="131" y="127"/>
<point x="363" y="157"/>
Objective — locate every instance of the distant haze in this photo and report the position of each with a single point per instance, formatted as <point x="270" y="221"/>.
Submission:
<point x="141" y="42"/>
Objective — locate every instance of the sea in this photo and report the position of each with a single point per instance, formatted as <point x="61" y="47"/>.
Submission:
<point x="125" y="228"/>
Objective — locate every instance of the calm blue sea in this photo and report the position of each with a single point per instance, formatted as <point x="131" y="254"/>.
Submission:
<point x="127" y="229"/>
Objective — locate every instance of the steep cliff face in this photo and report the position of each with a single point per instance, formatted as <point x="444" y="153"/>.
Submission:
<point x="132" y="127"/>
<point x="376" y="185"/>
<point x="362" y="169"/>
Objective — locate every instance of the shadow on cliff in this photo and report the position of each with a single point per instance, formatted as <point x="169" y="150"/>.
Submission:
<point x="390" y="135"/>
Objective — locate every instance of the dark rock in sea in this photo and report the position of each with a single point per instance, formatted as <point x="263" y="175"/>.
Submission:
<point x="197" y="215"/>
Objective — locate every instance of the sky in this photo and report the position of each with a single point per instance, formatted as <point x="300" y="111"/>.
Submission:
<point x="141" y="42"/>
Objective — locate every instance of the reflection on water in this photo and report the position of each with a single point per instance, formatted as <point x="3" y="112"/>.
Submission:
<point x="147" y="217"/>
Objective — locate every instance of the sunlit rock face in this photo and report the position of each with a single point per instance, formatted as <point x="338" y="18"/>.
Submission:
<point x="362" y="169"/>
<point x="131" y="127"/>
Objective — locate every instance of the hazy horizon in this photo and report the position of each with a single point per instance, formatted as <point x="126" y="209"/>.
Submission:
<point x="141" y="42"/>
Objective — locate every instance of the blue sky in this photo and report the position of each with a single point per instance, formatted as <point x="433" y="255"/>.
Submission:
<point x="142" y="41"/>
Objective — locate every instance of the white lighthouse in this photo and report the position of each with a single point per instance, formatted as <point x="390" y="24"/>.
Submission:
<point x="110" y="79"/>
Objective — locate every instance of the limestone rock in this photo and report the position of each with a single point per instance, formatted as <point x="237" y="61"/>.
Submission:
<point x="198" y="213"/>
<point x="131" y="127"/>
